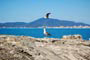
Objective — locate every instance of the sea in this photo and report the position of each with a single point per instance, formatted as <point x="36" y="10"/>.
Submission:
<point x="38" y="32"/>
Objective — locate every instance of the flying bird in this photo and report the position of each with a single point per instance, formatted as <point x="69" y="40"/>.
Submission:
<point x="47" y="15"/>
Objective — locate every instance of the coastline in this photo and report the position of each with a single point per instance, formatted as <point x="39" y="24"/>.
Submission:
<point x="71" y="27"/>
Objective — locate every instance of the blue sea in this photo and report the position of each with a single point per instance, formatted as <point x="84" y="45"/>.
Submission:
<point x="38" y="32"/>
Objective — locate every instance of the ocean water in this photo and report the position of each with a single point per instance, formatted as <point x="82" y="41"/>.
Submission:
<point x="38" y="32"/>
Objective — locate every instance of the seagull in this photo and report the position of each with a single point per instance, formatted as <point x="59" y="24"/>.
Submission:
<point x="45" y="32"/>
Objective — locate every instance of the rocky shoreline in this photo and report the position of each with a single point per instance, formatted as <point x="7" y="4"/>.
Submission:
<point x="28" y="48"/>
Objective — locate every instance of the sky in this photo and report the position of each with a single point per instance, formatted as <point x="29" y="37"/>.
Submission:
<point x="31" y="10"/>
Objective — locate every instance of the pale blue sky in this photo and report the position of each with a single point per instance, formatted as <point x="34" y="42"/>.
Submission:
<point x="30" y="10"/>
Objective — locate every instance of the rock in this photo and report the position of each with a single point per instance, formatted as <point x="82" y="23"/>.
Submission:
<point x="28" y="48"/>
<point x="73" y="37"/>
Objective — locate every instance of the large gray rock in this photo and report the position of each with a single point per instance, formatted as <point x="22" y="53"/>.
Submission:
<point x="27" y="48"/>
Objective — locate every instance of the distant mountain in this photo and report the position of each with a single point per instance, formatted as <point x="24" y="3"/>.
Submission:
<point x="41" y="22"/>
<point x="54" y="22"/>
<point x="13" y="24"/>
